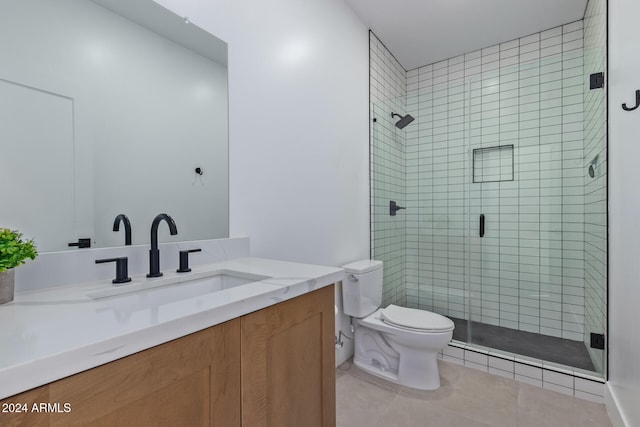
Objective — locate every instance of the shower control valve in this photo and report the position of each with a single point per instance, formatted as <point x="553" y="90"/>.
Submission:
<point x="393" y="208"/>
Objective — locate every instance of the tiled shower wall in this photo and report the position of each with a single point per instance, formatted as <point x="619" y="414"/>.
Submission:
<point x="388" y="88"/>
<point x="595" y="38"/>
<point x="538" y="268"/>
<point x="527" y="272"/>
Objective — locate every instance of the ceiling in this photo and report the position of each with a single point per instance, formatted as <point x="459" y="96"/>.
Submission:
<point x="421" y="32"/>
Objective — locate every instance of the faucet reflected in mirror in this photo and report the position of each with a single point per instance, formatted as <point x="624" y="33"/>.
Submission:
<point x="127" y="227"/>
<point x="154" y="252"/>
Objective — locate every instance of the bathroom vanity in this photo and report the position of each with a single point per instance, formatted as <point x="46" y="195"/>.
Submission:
<point x="256" y="353"/>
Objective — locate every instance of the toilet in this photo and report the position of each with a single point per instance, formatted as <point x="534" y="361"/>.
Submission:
<point x="395" y="343"/>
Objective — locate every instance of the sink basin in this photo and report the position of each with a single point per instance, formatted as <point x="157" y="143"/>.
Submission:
<point x="171" y="289"/>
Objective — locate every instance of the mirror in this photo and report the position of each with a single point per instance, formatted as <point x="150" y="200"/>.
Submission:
<point x="110" y="107"/>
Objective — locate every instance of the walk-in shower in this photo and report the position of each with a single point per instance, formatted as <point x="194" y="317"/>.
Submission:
<point x="503" y="177"/>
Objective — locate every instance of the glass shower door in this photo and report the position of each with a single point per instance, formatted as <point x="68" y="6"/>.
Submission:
<point x="536" y="215"/>
<point x="492" y="217"/>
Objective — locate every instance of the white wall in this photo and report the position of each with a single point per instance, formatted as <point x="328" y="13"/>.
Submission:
<point x="298" y="129"/>
<point x="624" y="209"/>
<point x="298" y="124"/>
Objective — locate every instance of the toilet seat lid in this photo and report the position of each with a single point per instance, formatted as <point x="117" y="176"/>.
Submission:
<point x="415" y="319"/>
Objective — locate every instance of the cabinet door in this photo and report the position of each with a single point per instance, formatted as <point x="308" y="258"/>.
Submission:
<point x="191" y="381"/>
<point x="288" y="363"/>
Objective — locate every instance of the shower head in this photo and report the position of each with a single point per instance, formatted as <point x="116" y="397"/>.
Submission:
<point x="404" y="120"/>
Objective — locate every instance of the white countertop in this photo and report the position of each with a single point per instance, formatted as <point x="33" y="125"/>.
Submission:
<point x="50" y="334"/>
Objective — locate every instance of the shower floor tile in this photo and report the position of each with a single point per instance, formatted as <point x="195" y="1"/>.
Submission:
<point x="538" y="346"/>
<point x="466" y="398"/>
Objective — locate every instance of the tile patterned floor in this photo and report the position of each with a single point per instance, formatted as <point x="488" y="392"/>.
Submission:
<point x="466" y="398"/>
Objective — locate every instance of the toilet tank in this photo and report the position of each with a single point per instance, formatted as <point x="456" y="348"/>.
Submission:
<point x="362" y="288"/>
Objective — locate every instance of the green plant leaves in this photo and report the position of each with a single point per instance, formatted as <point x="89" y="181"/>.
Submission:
<point x="13" y="250"/>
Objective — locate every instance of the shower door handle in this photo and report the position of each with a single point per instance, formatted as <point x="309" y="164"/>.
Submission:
<point x="481" y="225"/>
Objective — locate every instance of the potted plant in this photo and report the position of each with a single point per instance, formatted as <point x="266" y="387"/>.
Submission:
<point x="14" y="251"/>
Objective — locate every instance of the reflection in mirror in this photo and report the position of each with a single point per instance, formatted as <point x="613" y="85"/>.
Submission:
<point x="107" y="108"/>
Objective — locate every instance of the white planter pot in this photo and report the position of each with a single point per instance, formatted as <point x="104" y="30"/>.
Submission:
<point x="7" y="282"/>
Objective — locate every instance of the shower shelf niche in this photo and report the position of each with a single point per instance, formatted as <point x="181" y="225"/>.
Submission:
<point x="493" y="164"/>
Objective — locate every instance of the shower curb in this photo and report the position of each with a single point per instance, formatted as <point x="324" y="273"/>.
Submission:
<point x="536" y="372"/>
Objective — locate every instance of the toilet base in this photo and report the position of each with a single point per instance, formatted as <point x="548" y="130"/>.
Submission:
<point x="431" y="383"/>
<point x="377" y="371"/>
<point x="380" y="356"/>
<point x="418" y="368"/>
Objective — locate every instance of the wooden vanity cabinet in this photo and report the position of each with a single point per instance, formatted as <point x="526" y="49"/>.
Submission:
<point x="273" y="367"/>
<point x="288" y="363"/>
<point x="190" y="381"/>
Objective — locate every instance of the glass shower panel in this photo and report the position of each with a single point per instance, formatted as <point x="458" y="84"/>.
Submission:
<point x="535" y="268"/>
<point x="594" y="168"/>
<point x="503" y="176"/>
<point x="443" y="177"/>
<point x="492" y="221"/>
<point x="388" y="233"/>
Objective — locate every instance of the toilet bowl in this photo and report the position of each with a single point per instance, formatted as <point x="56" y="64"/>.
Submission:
<point x="406" y="355"/>
<point x="396" y="343"/>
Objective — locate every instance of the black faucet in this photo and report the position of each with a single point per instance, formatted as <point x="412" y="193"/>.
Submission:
<point x="154" y="252"/>
<point x="127" y="227"/>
